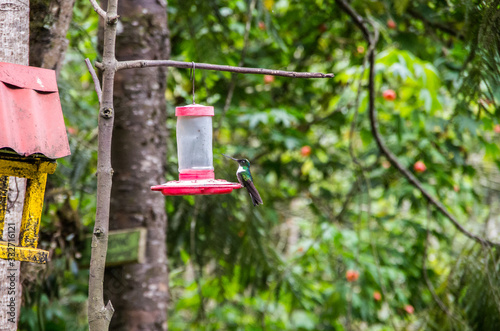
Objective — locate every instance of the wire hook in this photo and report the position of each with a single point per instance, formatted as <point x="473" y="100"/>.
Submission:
<point x="193" y="78"/>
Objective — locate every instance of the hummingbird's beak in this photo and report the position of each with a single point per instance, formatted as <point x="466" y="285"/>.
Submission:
<point x="232" y="158"/>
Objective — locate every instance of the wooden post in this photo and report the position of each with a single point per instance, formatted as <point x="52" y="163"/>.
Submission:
<point x="14" y="48"/>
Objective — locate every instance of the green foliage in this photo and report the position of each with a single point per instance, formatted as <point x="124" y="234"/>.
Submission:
<point x="250" y="260"/>
<point x="341" y="206"/>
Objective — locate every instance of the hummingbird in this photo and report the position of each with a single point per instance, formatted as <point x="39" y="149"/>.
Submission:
<point x="246" y="180"/>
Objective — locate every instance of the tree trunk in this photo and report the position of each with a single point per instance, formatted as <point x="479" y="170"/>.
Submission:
<point x="14" y="48"/>
<point x="49" y="24"/>
<point x="10" y="271"/>
<point x="139" y="292"/>
<point x="14" y="29"/>
<point x="99" y="315"/>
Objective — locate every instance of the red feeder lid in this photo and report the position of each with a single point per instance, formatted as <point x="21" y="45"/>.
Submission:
<point x="194" y="110"/>
<point x="196" y="187"/>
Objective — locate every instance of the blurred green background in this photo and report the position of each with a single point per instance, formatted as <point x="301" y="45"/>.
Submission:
<point x="343" y="241"/>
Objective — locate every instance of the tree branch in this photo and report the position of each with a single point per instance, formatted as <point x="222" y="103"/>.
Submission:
<point x="360" y="22"/>
<point x="121" y="65"/>
<point x="98" y="9"/>
<point x="437" y="25"/>
<point x="97" y="85"/>
<point x="99" y="315"/>
<point x="358" y="19"/>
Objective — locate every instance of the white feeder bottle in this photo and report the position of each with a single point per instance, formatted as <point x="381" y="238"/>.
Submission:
<point x="194" y="142"/>
<point x="194" y="149"/>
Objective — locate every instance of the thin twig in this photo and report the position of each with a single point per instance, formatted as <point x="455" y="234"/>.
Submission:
<point x="98" y="8"/>
<point x="437" y="25"/>
<point x="360" y="22"/>
<point x="97" y="85"/>
<point x="121" y="65"/>
<point x="409" y="176"/>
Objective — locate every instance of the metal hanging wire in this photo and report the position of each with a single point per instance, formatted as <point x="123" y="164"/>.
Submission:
<point x="193" y="78"/>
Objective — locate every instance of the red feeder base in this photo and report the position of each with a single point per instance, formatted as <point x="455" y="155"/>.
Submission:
<point x="196" y="187"/>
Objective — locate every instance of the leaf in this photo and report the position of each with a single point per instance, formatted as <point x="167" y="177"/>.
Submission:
<point x="398" y="69"/>
<point x="255" y="119"/>
<point x="283" y="117"/>
<point x="466" y="123"/>
<point x="401" y="6"/>
<point x="425" y="95"/>
<point x="269" y="4"/>
<point x="307" y="167"/>
<point x="303" y="320"/>
<point x="184" y="256"/>
<point x="492" y="151"/>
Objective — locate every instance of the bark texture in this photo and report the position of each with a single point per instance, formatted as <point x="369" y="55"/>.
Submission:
<point x="99" y="314"/>
<point x="14" y="48"/>
<point x="139" y="292"/>
<point x="49" y="23"/>
<point x="14" y="31"/>
<point x="13" y="215"/>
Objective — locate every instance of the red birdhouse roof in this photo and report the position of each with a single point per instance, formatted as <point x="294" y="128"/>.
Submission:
<point x="31" y="119"/>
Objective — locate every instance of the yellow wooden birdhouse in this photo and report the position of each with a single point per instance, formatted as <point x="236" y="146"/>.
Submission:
<point x="32" y="136"/>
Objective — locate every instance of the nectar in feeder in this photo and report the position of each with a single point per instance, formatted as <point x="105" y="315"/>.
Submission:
<point x="194" y="151"/>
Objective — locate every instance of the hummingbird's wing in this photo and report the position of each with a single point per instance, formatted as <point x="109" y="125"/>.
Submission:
<point x="245" y="179"/>
<point x="254" y="194"/>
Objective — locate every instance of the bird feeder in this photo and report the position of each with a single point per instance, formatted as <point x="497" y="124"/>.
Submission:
<point x="32" y="136"/>
<point x="194" y="151"/>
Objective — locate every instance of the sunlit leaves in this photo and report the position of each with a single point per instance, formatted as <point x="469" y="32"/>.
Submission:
<point x="416" y="81"/>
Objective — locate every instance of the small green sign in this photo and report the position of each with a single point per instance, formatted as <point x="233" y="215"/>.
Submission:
<point x="124" y="246"/>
